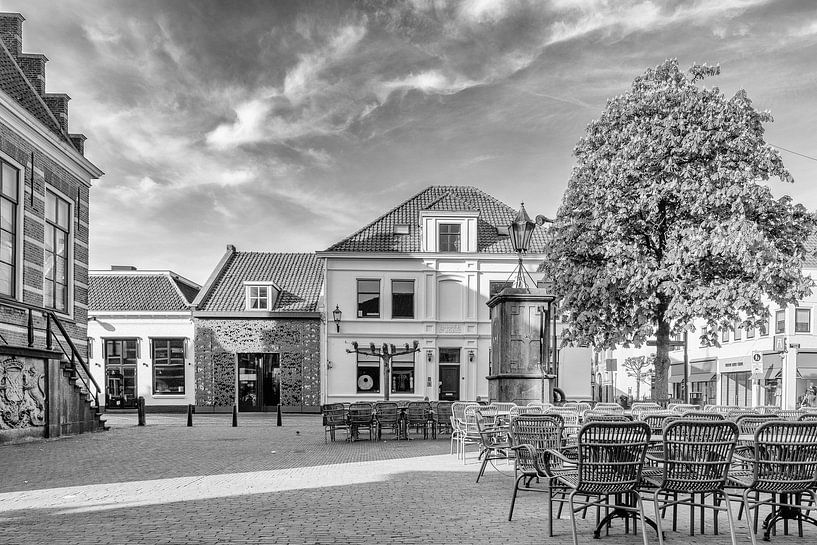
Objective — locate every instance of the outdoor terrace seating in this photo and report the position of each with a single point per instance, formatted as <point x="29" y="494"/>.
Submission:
<point x="361" y="417"/>
<point x="442" y="417"/>
<point x="493" y="441"/>
<point x="334" y="418"/>
<point x="418" y="417"/>
<point x="387" y="417"/>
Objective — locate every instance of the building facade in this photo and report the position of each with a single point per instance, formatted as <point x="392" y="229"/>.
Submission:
<point x="44" y="186"/>
<point x="421" y="272"/>
<point x="140" y="337"/>
<point x="258" y="333"/>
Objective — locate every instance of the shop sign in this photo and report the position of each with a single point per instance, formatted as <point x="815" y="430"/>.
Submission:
<point x="734" y="365"/>
<point x="757" y="365"/>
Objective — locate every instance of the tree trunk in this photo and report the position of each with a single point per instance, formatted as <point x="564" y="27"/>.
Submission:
<point x="387" y="377"/>
<point x="638" y="386"/>
<point x="660" y="386"/>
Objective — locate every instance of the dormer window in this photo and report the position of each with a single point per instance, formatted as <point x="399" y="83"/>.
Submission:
<point x="449" y="240"/>
<point x="260" y="296"/>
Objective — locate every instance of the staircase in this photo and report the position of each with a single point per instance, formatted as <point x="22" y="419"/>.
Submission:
<point x="82" y="413"/>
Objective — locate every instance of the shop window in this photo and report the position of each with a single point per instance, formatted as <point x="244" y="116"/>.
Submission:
<point x="121" y="357"/>
<point x="368" y="374"/>
<point x="780" y="321"/>
<point x="402" y="374"/>
<point x="168" y="366"/>
<point x="368" y="298"/>
<point x="449" y="237"/>
<point x="402" y="299"/>
<point x="802" y="320"/>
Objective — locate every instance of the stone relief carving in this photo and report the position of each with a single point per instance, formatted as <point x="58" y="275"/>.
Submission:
<point x="22" y="395"/>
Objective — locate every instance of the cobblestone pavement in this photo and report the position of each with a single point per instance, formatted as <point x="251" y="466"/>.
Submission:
<point x="257" y="483"/>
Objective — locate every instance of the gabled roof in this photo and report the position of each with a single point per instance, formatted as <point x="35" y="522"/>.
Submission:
<point x="15" y="84"/>
<point x="379" y="235"/>
<point x="139" y="291"/>
<point x="298" y="275"/>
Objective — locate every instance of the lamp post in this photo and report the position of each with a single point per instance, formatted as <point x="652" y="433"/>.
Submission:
<point x="336" y="315"/>
<point x="521" y="232"/>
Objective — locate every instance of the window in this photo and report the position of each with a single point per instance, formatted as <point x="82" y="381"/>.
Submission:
<point x="90" y="350"/>
<point x="402" y="374"/>
<point x="368" y="298"/>
<point x="780" y="321"/>
<point x="737" y="331"/>
<point x="495" y="286"/>
<point x="57" y="237"/>
<point x="449" y="355"/>
<point x="449" y="237"/>
<point x="168" y="366"/>
<point x="704" y="340"/>
<point x="750" y="333"/>
<point x="802" y="320"/>
<point x="9" y="178"/>
<point x="725" y="336"/>
<point x="764" y="327"/>
<point x="402" y="298"/>
<point x="258" y="297"/>
<point x="368" y="374"/>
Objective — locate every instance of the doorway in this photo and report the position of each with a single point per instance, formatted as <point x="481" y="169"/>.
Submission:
<point x="449" y="383"/>
<point x="259" y="382"/>
<point x="121" y="356"/>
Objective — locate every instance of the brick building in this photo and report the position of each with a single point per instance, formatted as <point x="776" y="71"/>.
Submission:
<point x="44" y="186"/>
<point x="257" y="333"/>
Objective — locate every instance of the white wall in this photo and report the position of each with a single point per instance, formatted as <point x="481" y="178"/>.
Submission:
<point x="144" y="328"/>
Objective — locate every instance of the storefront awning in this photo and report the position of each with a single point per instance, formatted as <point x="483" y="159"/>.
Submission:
<point x="675" y="379"/>
<point x="701" y="377"/>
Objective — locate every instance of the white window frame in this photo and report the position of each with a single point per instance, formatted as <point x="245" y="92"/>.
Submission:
<point x="248" y="296"/>
<point x="808" y="322"/>
<point x="69" y="310"/>
<point x="19" y="214"/>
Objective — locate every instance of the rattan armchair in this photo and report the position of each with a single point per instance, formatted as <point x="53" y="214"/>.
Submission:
<point x="361" y="417"/>
<point x="334" y="418"/>
<point x="387" y="417"/>
<point x="702" y="415"/>
<point x="695" y="460"/>
<point x="531" y="438"/>
<point x="601" y="416"/>
<point x="442" y="417"/>
<point x="609" y="462"/>
<point x="784" y="467"/>
<point x="418" y="416"/>
<point x="493" y="441"/>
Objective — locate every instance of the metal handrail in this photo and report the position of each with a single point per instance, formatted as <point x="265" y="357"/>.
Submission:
<point x="75" y="355"/>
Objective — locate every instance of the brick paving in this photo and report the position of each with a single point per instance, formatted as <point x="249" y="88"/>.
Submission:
<point x="257" y="483"/>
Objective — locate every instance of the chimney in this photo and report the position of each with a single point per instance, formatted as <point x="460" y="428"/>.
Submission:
<point x="123" y="268"/>
<point x="33" y="66"/>
<point x="79" y="142"/>
<point x="58" y="104"/>
<point x="11" y="32"/>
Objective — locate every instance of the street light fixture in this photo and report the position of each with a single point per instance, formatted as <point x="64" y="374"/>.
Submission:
<point x="336" y="315"/>
<point x="521" y="232"/>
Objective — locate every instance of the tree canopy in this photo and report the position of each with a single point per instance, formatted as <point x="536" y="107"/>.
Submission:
<point x="666" y="218"/>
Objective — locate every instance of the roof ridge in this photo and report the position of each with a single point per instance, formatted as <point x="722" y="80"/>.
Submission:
<point x="403" y="203"/>
<point x="452" y="195"/>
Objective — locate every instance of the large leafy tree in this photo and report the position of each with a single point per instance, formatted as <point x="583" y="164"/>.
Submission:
<point x="666" y="219"/>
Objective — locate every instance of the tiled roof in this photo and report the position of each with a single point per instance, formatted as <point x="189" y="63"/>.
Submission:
<point x="14" y="83"/>
<point x="299" y="276"/>
<point x="139" y="291"/>
<point x="379" y="235"/>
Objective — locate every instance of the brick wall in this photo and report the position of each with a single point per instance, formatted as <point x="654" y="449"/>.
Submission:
<point x="297" y="341"/>
<point x="46" y="173"/>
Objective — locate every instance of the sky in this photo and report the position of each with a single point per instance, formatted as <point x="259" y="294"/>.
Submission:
<point x="287" y="126"/>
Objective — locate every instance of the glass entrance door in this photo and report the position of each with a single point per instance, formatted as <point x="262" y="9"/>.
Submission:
<point x="120" y="373"/>
<point x="259" y="382"/>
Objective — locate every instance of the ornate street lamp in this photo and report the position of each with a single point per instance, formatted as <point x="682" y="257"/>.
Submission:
<point x="336" y="315"/>
<point x="521" y="232"/>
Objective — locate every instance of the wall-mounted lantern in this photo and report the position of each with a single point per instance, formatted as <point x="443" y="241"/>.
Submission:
<point x="336" y="315"/>
<point x="471" y="356"/>
<point x="430" y="355"/>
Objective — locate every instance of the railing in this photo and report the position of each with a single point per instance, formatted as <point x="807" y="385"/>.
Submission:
<point x="71" y="353"/>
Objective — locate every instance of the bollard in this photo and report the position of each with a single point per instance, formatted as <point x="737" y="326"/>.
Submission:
<point x="140" y="410"/>
<point x="190" y="416"/>
<point x="235" y="416"/>
<point x="278" y="423"/>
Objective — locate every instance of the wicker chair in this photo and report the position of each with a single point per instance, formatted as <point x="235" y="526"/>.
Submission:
<point x="334" y="418"/>
<point x="469" y="432"/>
<point x="601" y="416"/>
<point x="610" y="458"/>
<point x="656" y="421"/>
<point x="807" y="417"/>
<point x="702" y="415"/>
<point x="695" y="460"/>
<point x="387" y="417"/>
<point x="494" y="443"/>
<point x="640" y="407"/>
<point x="681" y="408"/>
<point x="577" y="406"/>
<point x="608" y="408"/>
<point x="361" y="417"/>
<point x="458" y="424"/>
<point x="523" y="410"/>
<point x="501" y="407"/>
<point x="442" y="417"/>
<point x="570" y="421"/>
<point x="418" y="417"/>
<point x="734" y="414"/>
<point x="531" y="437"/>
<point x="784" y="465"/>
<point x="789" y="414"/>
<point x="540" y="404"/>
